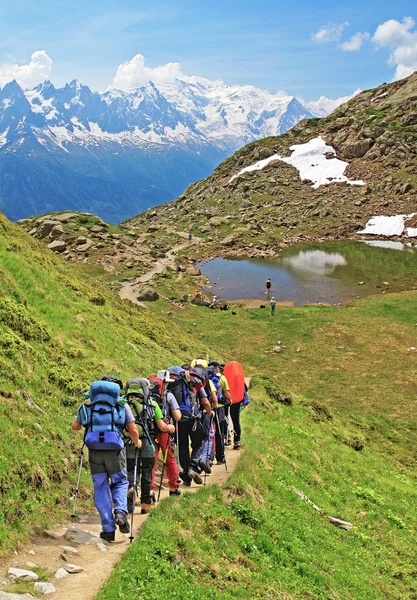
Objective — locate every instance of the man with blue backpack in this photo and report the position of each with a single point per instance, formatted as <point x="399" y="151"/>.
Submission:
<point x="104" y="415"/>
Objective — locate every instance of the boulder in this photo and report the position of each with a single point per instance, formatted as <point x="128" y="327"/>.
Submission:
<point x="10" y="596"/>
<point x="96" y="229"/>
<point x="22" y="574"/>
<point x="80" y="536"/>
<point x="85" y="247"/>
<point x="57" y="246"/>
<point x="44" y="587"/>
<point x="56" y="232"/>
<point x="46" y="228"/>
<point x="149" y="295"/>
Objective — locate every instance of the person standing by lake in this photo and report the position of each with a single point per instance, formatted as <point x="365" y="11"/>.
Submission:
<point x="273" y="305"/>
<point x="268" y="287"/>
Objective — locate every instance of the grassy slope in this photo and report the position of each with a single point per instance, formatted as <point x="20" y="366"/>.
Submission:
<point x="58" y="332"/>
<point x="348" y="444"/>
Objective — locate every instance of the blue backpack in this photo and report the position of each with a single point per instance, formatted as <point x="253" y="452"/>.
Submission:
<point x="184" y="394"/>
<point x="103" y="416"/>
<point x="215" y="378"/>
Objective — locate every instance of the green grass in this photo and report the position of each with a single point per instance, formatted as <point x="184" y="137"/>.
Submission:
<point x="261" y="540"/>
<point x="59" y="330"/>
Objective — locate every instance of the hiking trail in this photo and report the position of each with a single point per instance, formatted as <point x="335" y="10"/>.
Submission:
<point x="129" y="289"/>
<point x="97" y="561"/>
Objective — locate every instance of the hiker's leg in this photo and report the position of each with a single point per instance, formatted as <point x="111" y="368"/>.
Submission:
<point x="219" y="436"/>
<point x="116" y="468"/>
<point x="197" y="439"/>
<point x="171" y="468"/>
<point x="101" y="490"/>
<point x="147" y="464"/>
<point x="235" y="415"/>
<point x="184" y="430"/>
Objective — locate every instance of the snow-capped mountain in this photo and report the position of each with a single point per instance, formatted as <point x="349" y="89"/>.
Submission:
<point x="119" y="152"/>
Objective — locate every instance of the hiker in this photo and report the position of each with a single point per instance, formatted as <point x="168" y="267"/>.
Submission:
<point x="235" y="375"/>
<point x="177" y="267"/>
<point x="273" y="305"/>
<point x="149" y="419"/>
<point x="190" y="237"/>
<point x="103" y="415"/>
<point x="206" y="456"/>
<point x="197" y="294"/>
<point x="268" y="286"/>
<point x="163" y="440"/>
<point x="191" y="396"/>
<point x="223" y="398"/>
<point x="214" y="302"/>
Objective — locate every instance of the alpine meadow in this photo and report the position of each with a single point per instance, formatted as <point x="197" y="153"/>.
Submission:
<point x="164" y="432"/>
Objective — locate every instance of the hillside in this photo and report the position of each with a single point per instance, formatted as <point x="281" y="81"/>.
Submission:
<point x="59" y="330"/>
<point x="119" y="152"/>
<point x="258" y="200"/>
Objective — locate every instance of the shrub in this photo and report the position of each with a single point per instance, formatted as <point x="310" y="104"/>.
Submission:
<point x="18" y="318"/>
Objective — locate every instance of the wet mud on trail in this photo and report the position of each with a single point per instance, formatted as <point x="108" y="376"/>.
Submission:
<point x="96" y="559"/>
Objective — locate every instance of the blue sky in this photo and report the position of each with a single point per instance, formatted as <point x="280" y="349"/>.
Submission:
<point x="295" y="45"/>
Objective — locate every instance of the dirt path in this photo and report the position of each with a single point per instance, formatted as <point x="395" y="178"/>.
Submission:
<point x="97" y="561"/>
<point x="129" y="290"/>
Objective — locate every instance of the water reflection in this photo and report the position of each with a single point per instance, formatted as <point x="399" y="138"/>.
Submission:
<point x="315" y="262"/>
<point x="332" y="272"/>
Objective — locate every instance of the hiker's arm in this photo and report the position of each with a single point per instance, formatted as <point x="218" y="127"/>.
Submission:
<point x="206" y="405"/>
<point x="76" y="426"/>
<point x="133" y="434"/>
<point x="227" y="396"/>
<point x="176" y="414"/>
<point x="164" y="427"/>
<point x="214" y="400"/>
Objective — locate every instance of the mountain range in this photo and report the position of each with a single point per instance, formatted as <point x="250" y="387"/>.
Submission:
<point x="118" y="153"/>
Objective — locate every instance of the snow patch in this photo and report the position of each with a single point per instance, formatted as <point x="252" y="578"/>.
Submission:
<point x="310" y="161"/>
<point x="393" y="225"/>
<point x="385" y="244"/>
<point x="6" y="103"/>
<point x="3" y="137"/>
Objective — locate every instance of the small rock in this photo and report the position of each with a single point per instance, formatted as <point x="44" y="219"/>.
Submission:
<point x="277" y="349"/>
<point x="361" y="282"/>
<point x="102" y="547"/>
<point x="80" y="536"/>
<point x="64" y="556"/>
<point x="70" y="568"/>
<point x="412" y="349"/>
<point x="9" y="596"/>
<point x="31" y="552"/>
<point x="298" y="350"/>
<point x="340" y="347"/>
<point x="385" y="283"/>
<point x="44" y="587"/>
<point x="51" y="534"/>
<point x="70" y="550"/>
<point x="61" y="573"/>
<point x="22" y="574"/>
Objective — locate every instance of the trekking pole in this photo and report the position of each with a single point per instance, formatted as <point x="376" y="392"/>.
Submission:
<point x="208" y="448"/>
<point x="178" y="446"/>
<point x="131" y="537"/>
<point x="78" y="482"/>
<point x="163" y="469"/>
<point x="221" y="438"/>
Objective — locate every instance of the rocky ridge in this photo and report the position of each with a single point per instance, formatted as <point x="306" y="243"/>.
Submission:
<point x="260" y="212"/>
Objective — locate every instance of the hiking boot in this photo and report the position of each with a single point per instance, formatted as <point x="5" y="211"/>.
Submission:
<point x="153" y="498"/>
<point x="144" y="511"/>
<point x="186" y="483"/>
<point x="107" y="536"/>
<point x="236" y="446"/>
<point x="195" y="476"/>
<point x="121" y="521"/>
<point x="176" y="492"/>
<point x="185" y="479"/>
<point x="221" y="462"/>
<point x="205" y="466"/>
<point x="228" y="442"/>
<point x="131" y="495"/>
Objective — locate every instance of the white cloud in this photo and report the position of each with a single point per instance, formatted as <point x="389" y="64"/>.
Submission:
<point x="401" y="40"/>
<point x="355" y="42"/>
<point x="36" y="71"/>
<point x="332" y="32"/>
<point x="134" y="73"/>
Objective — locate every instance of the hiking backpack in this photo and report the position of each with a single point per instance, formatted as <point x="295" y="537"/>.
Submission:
<point x="215" y="378"/>
<point x="202" y="374"/>
<point x="185" y="389"/>
<point x="156" y="386"/>
<point x="103" y="415"/>
<point x="142" y="405"/>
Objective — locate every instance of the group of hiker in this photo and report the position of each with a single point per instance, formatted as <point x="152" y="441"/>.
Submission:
<point x="194" y="407"/>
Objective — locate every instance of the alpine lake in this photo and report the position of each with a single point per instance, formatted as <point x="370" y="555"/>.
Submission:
<point x="317" y="273"/>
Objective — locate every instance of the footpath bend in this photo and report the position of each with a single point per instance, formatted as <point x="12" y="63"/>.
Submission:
<point x="95" y="558"/>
